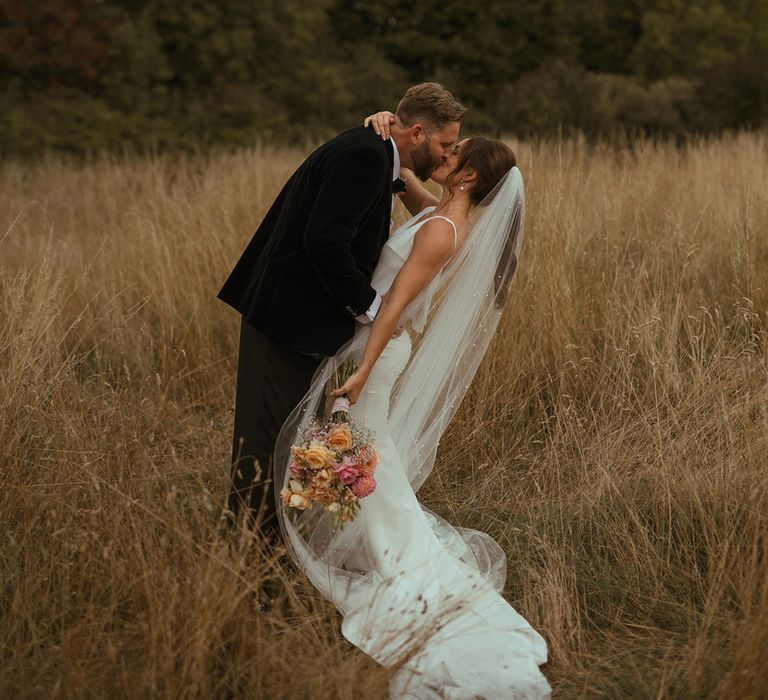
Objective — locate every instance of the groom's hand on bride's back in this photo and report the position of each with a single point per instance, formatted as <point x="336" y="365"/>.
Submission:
<point x="380" y="122"/>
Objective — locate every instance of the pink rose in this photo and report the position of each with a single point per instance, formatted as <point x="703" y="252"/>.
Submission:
<point x="347" y="472"/>
<point x="364" y="486"/>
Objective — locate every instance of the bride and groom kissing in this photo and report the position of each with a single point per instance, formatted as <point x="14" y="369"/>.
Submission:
<point x="323" y="281"/>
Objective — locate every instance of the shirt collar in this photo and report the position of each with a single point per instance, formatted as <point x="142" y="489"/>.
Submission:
<point x="396" y="164"/>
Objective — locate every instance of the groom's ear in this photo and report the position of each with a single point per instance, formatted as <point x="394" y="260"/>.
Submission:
<point x="418" y="134"/>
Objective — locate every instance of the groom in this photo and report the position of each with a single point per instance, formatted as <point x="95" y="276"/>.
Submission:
<point x="304" y="279"/>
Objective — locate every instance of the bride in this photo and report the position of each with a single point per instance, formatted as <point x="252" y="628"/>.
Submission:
<point x="420" y="596"/>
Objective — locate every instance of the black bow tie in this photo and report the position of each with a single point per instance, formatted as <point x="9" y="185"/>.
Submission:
<point x="399" y="185"/>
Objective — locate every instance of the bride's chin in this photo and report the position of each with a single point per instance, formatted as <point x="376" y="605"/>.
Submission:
<point x="438" y="176"/>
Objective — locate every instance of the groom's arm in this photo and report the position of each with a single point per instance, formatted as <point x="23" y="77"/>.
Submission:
<point x="352" y="184"/>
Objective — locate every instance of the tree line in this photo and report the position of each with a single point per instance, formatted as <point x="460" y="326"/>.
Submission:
<point x="83" y="75"/>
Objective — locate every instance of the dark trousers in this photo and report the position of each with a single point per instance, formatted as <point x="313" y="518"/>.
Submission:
<point x="270" y="383"/>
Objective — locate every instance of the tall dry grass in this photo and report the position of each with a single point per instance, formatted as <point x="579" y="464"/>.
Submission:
<point x="614" y="441"/>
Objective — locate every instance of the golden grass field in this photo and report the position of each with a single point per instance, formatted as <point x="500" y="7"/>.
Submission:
<point x="614" y="442"/>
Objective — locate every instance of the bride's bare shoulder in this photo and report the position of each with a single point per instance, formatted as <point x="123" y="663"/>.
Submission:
<point x="435" y="238"/>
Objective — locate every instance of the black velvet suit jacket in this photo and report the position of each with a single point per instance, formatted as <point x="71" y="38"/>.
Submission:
<point x="306" y="273"/>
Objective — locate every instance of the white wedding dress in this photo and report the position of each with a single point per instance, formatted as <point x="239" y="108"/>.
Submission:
<point x="419" y="596"/>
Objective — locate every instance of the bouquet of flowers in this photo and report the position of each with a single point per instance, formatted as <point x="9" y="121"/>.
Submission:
<point x="333" y="464"/>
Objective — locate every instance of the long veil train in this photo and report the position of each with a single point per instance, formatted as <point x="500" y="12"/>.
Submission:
<point x="416" y="593"/>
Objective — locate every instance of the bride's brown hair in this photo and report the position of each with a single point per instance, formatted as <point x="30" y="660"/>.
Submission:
<point x="490" y="159"/>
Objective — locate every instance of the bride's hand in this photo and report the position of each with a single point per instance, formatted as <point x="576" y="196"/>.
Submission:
<point x="352" y="387"/>
<point x="380" y="122"/>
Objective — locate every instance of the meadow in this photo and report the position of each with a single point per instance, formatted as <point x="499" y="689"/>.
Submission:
<point x="614" y="441"/>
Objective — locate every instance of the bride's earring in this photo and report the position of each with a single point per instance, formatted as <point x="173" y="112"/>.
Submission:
<point x="461" y="185"/>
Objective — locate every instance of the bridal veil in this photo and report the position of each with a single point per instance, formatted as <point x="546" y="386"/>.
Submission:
<point x="451" y="324"/>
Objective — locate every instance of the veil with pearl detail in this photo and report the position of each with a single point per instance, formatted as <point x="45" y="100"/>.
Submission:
<point x="419" y="595"/>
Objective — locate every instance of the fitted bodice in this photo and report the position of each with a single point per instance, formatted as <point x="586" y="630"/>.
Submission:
<point x="393" y="256"/>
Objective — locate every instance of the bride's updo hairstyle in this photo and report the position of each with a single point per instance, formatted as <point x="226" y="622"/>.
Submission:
<point x="490" y="159"/>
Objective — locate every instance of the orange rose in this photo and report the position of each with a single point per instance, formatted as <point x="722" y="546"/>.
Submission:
<point x="318" y="455"/>
<point x="322" y="478"/>
<point x="296" y="496"/>
<point x="341" y="438"/>
<point x="299" y="502"/>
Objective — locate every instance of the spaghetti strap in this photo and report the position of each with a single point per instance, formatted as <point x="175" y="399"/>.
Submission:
<point x="455" y="230"/>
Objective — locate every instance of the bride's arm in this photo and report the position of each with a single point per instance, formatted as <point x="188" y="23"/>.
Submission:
<point x="416" y="197"/>
<point x="432" y="246"/>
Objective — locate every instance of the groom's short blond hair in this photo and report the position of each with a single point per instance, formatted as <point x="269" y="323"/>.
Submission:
<point x="431" y="104"/>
